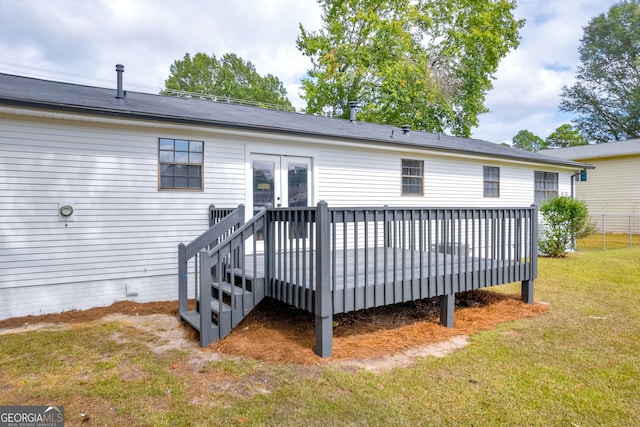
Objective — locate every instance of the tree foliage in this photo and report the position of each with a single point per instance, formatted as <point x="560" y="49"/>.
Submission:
<point x="230" y="76"/>
<point x="425" y="63"/>
<point x="565" y="219"/>
<point x="526" y="140"/>
<point x="606" y="96"/>
<point x="565" y="136"/>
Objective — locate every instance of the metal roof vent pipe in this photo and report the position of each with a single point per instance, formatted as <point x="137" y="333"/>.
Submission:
<point x="406" y="129"/>
<point x="119" y="71"/>
<point x="353" y="107"/>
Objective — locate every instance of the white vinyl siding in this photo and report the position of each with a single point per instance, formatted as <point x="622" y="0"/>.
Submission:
<point x="123" y="236"/>
<point x="122" y="227"/>
<point x="366" y="177"/>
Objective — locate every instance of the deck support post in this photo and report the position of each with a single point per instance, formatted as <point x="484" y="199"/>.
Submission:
<point x="527" y="285"/>
<point x="527" y="291"/>
<point x="183" y="283"/>
<point x="447" y="307"/>
<point x="323" y="302"/>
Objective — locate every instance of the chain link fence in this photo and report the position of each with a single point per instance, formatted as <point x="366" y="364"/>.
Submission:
<point x="612" y="231"/>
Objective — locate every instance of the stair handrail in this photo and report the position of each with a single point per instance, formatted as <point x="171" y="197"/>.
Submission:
<point x="208" y="238"/>
<point x="210" y="258"/>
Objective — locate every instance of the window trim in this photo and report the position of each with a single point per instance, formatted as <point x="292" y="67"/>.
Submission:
<point x="545" y="190"/>
<point x="161" y="163"/>
<point x="403" y="176"/>
<point x="485" y="180"/>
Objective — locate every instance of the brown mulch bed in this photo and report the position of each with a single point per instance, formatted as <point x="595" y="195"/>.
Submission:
<point x="276" y="332"/>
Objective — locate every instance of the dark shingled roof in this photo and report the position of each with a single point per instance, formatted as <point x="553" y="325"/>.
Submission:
<point x="36" y="93"/>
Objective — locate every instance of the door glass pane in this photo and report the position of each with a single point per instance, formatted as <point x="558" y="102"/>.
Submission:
<point x="297" y="185"/>
<point x="263" y="184"/>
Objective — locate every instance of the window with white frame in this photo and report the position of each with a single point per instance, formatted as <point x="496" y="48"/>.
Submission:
<point x="546" y="186"/>
<point x="412" y="177"/>
<point x="491" y="181"/>
<point x="180" y="163"/>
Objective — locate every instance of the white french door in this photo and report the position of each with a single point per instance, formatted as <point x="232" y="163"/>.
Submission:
<point x="283" y="181"/>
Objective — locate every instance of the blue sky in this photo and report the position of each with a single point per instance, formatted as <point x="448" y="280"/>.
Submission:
<point x="81" y="41"/>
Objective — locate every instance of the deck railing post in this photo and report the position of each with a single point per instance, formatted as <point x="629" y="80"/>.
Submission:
<point x="183" y="283"/>
<point x="206" y="332"/>
<point x="323" y="303"/>
<point x="527" y="285"/>
<point x="212" y="209"/>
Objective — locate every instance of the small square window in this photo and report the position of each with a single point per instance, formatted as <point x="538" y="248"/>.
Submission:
<point x="412" y="177"/>
<point x="181" y="163"/>
<point x="491" y="181"/>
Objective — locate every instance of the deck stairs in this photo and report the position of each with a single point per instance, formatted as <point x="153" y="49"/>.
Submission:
<point x="232" y="299"/>
<point x="225" y="291"/>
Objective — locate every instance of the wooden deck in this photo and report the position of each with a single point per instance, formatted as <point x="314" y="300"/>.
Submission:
<point x="370" y="277"/>
<point x="329" y="261"/>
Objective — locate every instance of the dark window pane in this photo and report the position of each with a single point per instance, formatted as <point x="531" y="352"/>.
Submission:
<point x="166" y="182"/>
<point x="166" y="156"/>
<point x="297" y="184"/>
<point x="166" y="170"/>
<point x="195" y="183"/>
<point x="166" y="144"/>
<point x="195" y="146"/>
<point x="180" y="182"/>
<point x="182" y="157"/>
<point x="194" y="171"/>
<point x="180" y="170"/>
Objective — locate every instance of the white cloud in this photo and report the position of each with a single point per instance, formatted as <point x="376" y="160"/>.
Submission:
<point x="529" y="80"/>
<point x="82" y="38"/>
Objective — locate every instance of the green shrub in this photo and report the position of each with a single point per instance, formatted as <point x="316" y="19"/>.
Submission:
<point x="565" y="219"/>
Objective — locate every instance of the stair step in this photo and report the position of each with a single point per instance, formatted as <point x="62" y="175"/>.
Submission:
<point x="238" y="273"/>
<point x="227" y="288"/>
<point x="192" y="318"/>
<point x="217" y="307"/>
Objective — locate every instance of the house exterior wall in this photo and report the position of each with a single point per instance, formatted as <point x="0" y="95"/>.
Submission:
<point x="122" y="242"/>
<point x="124" y="234"/>
<point x="612" y="190"/>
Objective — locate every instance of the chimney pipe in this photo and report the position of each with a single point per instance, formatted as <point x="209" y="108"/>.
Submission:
<point x="406" y="129"/>
<point x="119" y="71"/>
<point x="353" y="105"/>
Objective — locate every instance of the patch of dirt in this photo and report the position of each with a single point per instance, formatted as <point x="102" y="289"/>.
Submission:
<point x="377" y="339"/>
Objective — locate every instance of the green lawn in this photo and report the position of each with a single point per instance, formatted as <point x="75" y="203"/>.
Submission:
<point x="597" y="242"/>
<point x="576" y="365"/>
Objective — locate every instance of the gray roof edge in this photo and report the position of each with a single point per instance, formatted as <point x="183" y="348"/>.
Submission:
<point x="595" y="151"/>
<point x="458" y="145"/>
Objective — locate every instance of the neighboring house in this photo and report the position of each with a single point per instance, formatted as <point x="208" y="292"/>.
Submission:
<point x="98" y="186"/>
<point x="611" y="189"/>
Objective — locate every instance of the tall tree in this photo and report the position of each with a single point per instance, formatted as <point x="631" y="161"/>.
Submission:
<point x="606" y="96"/>
<point x="425" y="63"/>
<point x="526" y="140"/>
<point x="565" y="136"/>
<point x="230" y="76"/>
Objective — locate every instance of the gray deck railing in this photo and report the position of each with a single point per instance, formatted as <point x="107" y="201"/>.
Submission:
<point x="333" y="260"/>
<point x="234" y="271"/>
<point x="226" y="221"/>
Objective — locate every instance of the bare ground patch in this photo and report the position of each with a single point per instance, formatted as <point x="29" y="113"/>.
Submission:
<point x="377" y="339"/>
